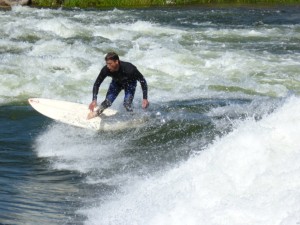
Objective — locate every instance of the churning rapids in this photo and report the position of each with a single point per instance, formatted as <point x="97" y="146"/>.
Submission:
<point x="221" y="140"/>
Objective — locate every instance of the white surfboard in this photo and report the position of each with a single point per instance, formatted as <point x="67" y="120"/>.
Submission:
<point x="71" y="113"/>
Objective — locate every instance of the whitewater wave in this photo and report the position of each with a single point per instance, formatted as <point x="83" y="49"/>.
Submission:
<point x="250" y="176"/>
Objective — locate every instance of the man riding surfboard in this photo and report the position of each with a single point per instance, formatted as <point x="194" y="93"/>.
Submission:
<point x="124" y="77"/>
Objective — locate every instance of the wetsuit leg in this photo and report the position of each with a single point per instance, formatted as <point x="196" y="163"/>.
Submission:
<point x="129" y="95"/>
<point x="112" y="93"/>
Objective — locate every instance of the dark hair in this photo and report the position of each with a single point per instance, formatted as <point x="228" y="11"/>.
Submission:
<point x="111" y="56"/>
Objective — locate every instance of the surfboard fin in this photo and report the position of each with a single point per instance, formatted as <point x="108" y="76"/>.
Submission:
<point x="91" y="115"/>
<point x="97" y="112"/>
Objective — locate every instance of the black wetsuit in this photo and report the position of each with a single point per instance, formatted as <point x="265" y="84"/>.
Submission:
<point x="125" y="78"/>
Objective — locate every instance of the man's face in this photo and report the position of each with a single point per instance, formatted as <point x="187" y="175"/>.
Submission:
<point x="112" y="65"/>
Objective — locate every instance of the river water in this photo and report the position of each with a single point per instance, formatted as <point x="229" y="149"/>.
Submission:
<point x="220" y="143"/>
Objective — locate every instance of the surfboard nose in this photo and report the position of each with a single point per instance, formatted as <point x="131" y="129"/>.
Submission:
<point x="33" y="100"/>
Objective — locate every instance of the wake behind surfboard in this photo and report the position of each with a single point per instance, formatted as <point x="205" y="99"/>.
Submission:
<point x="71" y="113"/>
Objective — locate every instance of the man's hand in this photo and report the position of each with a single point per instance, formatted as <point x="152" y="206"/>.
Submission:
<point x="93" y="105"/>
<point x="145" y="103"/>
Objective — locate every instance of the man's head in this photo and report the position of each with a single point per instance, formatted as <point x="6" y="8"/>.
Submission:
<point x="112" y="61"/>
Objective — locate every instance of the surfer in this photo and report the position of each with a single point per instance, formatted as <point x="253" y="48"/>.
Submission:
<point x="124" y="76"/>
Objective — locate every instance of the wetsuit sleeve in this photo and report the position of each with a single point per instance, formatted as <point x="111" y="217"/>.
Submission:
<point x="143" y="83"/>
<point x="102" y="75"/>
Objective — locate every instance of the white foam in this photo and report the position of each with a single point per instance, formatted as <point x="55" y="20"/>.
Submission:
<point x="177" y="62"/>
<point x="78" y="149"/>
<point x="251" y="176"/>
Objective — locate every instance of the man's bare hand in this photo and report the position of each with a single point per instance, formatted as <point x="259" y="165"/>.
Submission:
<point x="145" y="103"/>
<point x="93" y="105"/>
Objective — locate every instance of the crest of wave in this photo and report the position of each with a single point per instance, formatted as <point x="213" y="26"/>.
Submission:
<point x="250" y="176"/>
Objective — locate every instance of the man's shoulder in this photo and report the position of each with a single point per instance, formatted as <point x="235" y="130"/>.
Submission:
<point x="105" y="69"/>
<point x="104" y="72"/>
<point x="127" y="67"/>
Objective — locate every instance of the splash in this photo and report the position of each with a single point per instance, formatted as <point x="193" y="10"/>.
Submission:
<point x="248" y="177"/>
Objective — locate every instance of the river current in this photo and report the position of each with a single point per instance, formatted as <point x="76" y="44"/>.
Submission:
<point x="220" y="142"/>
